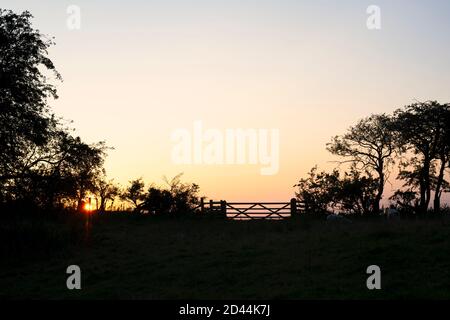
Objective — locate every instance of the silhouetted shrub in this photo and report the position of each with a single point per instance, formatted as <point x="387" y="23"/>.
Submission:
<point x="177" y="199"/>
<point x="329" y="192"/>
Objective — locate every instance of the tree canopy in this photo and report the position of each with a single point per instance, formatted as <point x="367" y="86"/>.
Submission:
<point x="368" y="145"/>
<point x="41" y="161"/>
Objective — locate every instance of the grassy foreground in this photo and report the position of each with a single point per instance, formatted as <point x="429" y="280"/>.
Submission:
<point x="128" y="257"/>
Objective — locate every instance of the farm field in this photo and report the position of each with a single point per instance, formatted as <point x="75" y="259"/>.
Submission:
<point x="129" y="257"/>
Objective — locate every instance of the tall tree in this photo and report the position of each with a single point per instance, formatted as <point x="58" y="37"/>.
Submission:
<point x="422" y="129"/>
<point x="369" y="146"/>
<point x="443" y="155"/>
<point x="39" y="160"/>
<point x="25" y="121"/>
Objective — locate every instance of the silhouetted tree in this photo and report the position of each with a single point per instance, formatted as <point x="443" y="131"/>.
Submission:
<point x="323" y="192"/>
<point x="318" y="191"/>
<point x="357" y="191"/>
<point x="25" y="122"/>
<point x="185" y="195"/>
<point x="369" y="146"/>
<point x="86" y="167"/>
<point x="406" y="200"/>
<point x="443" y="156"/>
<point x="134" y="193"/>
<point x="106" y="191"/>
<point x="158" y="201"/>
<point x="178" y="199"/>
<point x="40" y="161"/>
<point x="422" y="129"/>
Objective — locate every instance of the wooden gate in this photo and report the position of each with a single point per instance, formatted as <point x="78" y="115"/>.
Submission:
<point x="252" y="210"/>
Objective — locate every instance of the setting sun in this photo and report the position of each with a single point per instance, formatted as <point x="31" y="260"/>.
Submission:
<point x="88" y="207"/>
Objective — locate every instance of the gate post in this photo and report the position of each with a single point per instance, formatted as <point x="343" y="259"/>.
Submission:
<point x="223" y="207"/>
<point x="202" y="205"/>
<point x="293" y="207"/>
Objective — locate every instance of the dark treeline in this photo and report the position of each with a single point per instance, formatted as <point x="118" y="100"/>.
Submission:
<point x="44" y="167"/>
<point x="177" y="198"/>
<point x="415" y="138"/>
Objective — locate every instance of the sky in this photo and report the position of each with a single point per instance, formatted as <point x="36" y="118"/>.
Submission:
<point x="138" y="71"/>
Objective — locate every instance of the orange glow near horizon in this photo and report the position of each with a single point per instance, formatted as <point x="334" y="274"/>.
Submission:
<point x="88" y="207"/>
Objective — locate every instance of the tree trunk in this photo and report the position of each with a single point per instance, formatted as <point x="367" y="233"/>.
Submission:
<point x="102" y="204"/>
<point x="80" y="201"/>
<point x="440" y="181"/>
<point x="80" y="204"/>
<point x="424" y="186"/>
<point x="378" y="197"/>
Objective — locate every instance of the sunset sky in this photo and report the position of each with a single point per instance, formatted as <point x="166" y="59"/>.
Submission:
<point x="137" y="71"/>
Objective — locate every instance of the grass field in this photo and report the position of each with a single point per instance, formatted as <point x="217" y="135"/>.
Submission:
<point x="129" y="257"/>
